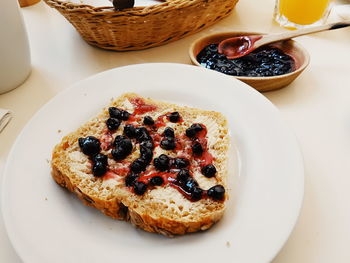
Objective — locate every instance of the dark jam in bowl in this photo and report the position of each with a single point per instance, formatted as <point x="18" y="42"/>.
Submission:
<point x="263" y="62"/>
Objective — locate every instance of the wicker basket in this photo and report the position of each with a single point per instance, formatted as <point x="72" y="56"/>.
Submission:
<point x="142" y="27"/>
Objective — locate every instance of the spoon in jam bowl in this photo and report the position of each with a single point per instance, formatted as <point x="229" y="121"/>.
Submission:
<point x="240" y="46"/>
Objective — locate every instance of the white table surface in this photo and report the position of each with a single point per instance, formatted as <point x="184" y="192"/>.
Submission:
<point x="316" y="106"/>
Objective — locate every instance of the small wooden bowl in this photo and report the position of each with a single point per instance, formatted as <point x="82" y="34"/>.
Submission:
<point x="262" y="84"/>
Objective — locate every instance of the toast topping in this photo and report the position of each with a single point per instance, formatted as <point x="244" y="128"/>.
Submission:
<point x="148" y="120"/>
<point x="174" y="116"/>
<point x="130" y="131"/>
<point x="106" y="141"/>
<point x="162" y="162"/>
<point x="123" y="147"/>
<point x="140" y="107"/>
<point x="193" y="130"/>
<point x="216" y="192"/>
<point x="112" y="124"/>
<point x="181" y="163"/>
<point x="99" y="169"/>
<point x="90" y="145"/>
<point x="118" y="114"/>
<point x="156" y="180"/>
<point x="140" y="188"/>
<point x="183" y="155"/>
<point x="209" y="170"/>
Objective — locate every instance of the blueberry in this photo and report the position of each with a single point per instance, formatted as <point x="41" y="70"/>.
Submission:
<point x="216" y="192"/>
<point x="130" y="179"/>
<point x="123" y="143"/>
<point x="148" y="120"/>
<point x="278" y="71"/>
<point x="146" y="154"/>
<point x="197" y="148"/>
<point x="130" y="131"/>
<point x="196" y="193"/>
<point x="209" y="170"/>
<point x="100" y="158"/>
<point x="114" y="112"/>
<point x="140" y="188"/>
<point x="174" y="116"/>
<point x="267" y="74"/>
<point x="181" y="163"/>
<point x="99" y="169"/>
<point x="169" y="132"/>
<point x="138" y="165"/>
<point x="161" y="163"/>
<point x="197" y="127"/>
<point x="233" y="72"/>
<point x="122" y="4"/>
<point x="190" y="184"/>
<point x="123" y="148"/>
<point x="126" y="145"/>
<point x="252" y="74"/>
<point x="223" y="69"/>
<point x="168" y="144"/>
<point x="265" y="65"/>
<point x="142" y="134"/>
<point x="264" y="58"/>
<point x="193" y="130"/>
<point x="183" y="176"/>
<point x="147" y="144"/>
<point x="119" y="153"/>
<point x="124" y="115"/>
<point x="112" y="124"/>
<point x="190" y="133"/>
<point x="90" y="145"/>
<point x="118" y="139"/>
<point x="156" y="180"/>
<point x="212" y="48"/>
<point x="81" y="142"/>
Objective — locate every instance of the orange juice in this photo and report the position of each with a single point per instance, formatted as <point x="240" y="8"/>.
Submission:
<point x="303" y="12"/>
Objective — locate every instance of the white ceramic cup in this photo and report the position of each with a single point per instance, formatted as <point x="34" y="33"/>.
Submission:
<point x="15" y="64"/>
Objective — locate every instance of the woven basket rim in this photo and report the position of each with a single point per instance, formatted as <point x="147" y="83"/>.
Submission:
<point x="161" y="7"/>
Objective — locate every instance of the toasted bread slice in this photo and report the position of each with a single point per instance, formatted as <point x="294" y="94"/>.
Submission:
<point x="167" y="208"/>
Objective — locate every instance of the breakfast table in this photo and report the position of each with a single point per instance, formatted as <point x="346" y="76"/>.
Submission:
<point x="315" y="107"/>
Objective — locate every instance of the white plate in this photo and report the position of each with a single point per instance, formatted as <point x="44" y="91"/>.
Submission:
<point x="47" y="224"/>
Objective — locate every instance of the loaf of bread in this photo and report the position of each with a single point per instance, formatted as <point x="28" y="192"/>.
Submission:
<point x="158" y="165"/>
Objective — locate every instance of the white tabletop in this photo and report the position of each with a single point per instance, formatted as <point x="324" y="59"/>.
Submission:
<point x="316" y="106"/>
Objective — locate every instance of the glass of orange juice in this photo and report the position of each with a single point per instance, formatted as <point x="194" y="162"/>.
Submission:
<point x="301" y="13"/>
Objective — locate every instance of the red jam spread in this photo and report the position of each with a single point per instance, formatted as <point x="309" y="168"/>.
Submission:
<point x="106" y="140"/>
<point x="148" y="171"/>
<point x="140" y="107"/>
<point x="160" y="121"/>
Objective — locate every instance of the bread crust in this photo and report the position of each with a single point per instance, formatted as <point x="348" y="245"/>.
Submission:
<point x="110" y="208"/>
<point x="117" y="210"/>
<point x="115" y="207"/>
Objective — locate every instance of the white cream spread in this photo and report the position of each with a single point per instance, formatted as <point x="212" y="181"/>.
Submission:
<point x="126" y="105"/>
<point x="78" y="156"/>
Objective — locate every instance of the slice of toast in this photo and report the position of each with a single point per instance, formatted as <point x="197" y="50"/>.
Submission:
<point x="170" y="205"/>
